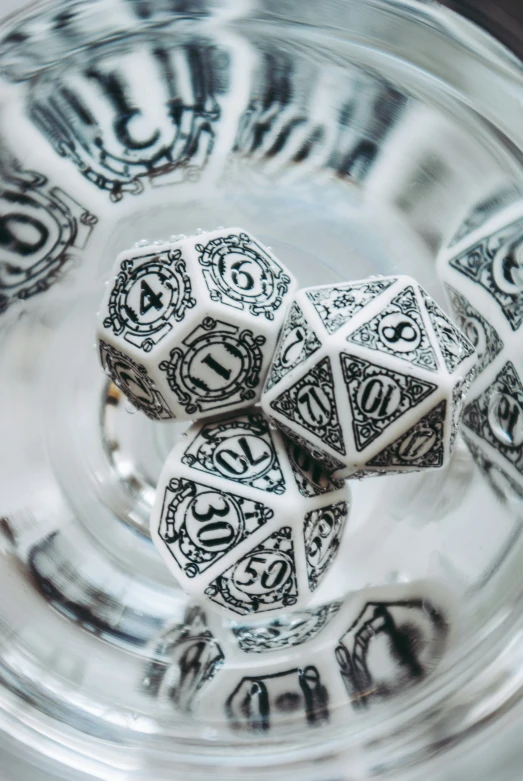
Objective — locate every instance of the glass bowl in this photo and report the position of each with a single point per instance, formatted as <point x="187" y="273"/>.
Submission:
<point x="352" y="137"/>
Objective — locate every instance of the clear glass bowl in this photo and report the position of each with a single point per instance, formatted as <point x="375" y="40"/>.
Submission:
<point x="350" y="136"/>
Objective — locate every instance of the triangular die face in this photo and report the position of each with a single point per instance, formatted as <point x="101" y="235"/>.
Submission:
<point x="199" y="524"/>
<point x="454" y="346"/>
<point x="497" y="416"/>
<point x="312" y="477"/>
<point x="296" y="343"/>
<point x="239" y="448"/>
<point x="337" y="304"/>
<point x="378" y="396"/>
<point x="322" y="533"/>
<point x="479" y="331"/>
<point x="263" y="579"/>
<point x="311" y="403"/>
<point x="421" y="447"/>
<point x="399" y="330"/>
<point x="330" y="463"/>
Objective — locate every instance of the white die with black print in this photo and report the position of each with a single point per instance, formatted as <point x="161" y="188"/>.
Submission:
<point x="187" y="328"/>
<point x="481" y="269"/>
<point x="245" y="518"/>
<point x="371" y="375"/>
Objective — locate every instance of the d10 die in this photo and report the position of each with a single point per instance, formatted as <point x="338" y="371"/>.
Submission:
<point x="314" y="666"/>
<point x="246" y="518"/>
<point x="482" y="270"/>
<point x="187" y="329"/>
<point x="371" y="375"/>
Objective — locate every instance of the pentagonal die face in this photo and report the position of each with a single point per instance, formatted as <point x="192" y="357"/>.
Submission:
<point x="187" y="329"/>
<point x="482" y="271"/>
<point x="246" y="519"/>
<point x="371" y="375"/>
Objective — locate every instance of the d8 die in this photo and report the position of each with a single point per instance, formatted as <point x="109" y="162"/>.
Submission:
<point x="482" y="271"/>
<point x="371" y="375"/>
<point x="187" y="329"/>
<point x="246" y="518"/>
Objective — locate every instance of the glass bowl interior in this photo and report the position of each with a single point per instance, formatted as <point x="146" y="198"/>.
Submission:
<point x="350" y="137"/>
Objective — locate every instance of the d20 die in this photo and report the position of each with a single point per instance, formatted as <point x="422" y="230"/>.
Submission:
<point x="482" y="271"/>
<point x="187" y="329"/>
<point x="371" y="375"/>
<point x="245" y="518"/>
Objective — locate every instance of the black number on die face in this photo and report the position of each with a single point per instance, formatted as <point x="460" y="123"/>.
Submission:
<point x="212" y="522"/>
<point x="314" y="405"/>
<point x="225" y="365"/>
<point x="261" y="573"/>
<point x="244" y="456"/>
<point x="292" y="347"/>
<point x="379" y="397"/>
<point x="506" y="419"/>
<point x="400" y="332"/>
<point x="22" y="234"/>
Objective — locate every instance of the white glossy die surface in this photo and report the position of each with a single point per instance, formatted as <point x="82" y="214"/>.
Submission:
<point x="482" y="271"/>
<point x="187" y="328"/>
<point x="246" y="518"/>
<point x="371" y="376"/>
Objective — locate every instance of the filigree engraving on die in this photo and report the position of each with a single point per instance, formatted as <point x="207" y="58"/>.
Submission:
<point x="330" y="463"/>
<point x="219" y="366"/>
<point x="454" y="346"/>
<point x="337" y="304"/>
<point x="311" y="403"/>
<point x="296" y="343"/>
<point x="240" y="448"/>
<point x="399" y="330"/>
<point x="263" y="579"/>
<point x="294" y="629"/>
<point x="496" y="263"/>
<point x="312" y="477"/>
<point x="476" y="328"/>
<point x="497" y="416"/>
<point x="150" y="294"/>
<point x="200" y="524"/>
<point x="134" y="381"/>
<point x="422" y="446"/>
<point x="322" y="533"/>
<point x="239" y="272"/>
<point x="378" y="396"/>
<point x="259" y="700"/>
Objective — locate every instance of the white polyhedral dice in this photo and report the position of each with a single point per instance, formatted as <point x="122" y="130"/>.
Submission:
<point x="246" y="518"/>
<point x="187" y="328"/>
<point x="482" y="271"/>
<point x="371" y="375"/>
<point x="311" y="666"/>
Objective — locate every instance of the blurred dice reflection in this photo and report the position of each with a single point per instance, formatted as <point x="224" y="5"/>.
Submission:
<point x="310" y="667"/>
<point x="482" y="270"/>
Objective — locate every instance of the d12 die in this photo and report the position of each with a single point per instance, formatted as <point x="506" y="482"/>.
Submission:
<point x="313" y="667"/>
<point x="246" y="518"/>
<point x="371" y="375"/>
<point x="482" y="271"/>
<point x="187" y="329"/>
